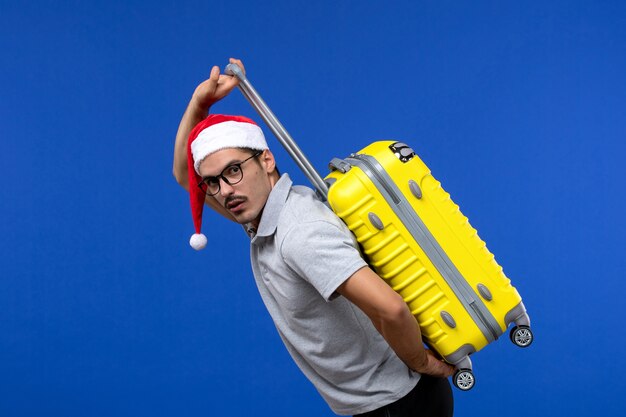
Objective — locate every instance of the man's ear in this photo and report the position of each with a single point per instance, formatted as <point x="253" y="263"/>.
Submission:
<point x="268" y="161"/>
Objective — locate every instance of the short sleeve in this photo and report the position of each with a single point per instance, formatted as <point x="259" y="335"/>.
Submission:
<point x="323" y="254"/>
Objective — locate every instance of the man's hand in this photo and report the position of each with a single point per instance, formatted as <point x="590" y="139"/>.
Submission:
<point x="216" y="87"/>
<point x="435" y="367"/>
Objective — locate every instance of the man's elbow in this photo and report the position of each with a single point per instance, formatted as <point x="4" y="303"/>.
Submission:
<point x="396" y="310"/>
<point x="181" y="179"/>
<point x="177" y="175"/>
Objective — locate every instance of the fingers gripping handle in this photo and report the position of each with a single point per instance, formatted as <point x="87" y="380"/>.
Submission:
<point x="277" y="128"/>
<point x="233" y="69"/>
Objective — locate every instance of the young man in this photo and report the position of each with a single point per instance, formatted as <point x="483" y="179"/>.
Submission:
<point x="349" y="332"/>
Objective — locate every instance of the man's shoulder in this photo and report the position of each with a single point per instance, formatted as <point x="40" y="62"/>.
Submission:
<point x="302" y="191"/>
<point x="304" y="205"/>
<point x="304" y="210"/>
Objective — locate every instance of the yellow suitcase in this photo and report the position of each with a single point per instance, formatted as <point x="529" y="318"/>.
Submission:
<point x="418" y="241"/>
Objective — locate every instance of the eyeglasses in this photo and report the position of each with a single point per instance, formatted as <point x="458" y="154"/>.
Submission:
<point x="231" y="175"/>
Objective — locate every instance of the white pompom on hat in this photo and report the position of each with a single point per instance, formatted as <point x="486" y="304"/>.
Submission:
<point x="213" y="134"/>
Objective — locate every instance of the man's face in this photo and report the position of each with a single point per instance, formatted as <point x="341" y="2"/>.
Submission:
<point x="246" y="199"/>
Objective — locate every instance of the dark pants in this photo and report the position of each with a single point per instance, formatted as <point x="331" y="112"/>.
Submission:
<point x="431" y="397"/>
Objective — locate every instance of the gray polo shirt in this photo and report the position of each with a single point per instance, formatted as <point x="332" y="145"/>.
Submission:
<point x="301" y="253"/>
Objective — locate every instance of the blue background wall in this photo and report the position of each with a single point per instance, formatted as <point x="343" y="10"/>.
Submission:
<point x="519" y="108"/>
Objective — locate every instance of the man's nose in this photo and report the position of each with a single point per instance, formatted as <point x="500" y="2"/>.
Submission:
<point x="225" y="188"/>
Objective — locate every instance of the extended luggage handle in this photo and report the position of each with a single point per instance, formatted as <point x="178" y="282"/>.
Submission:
<point x="277" y="128"/>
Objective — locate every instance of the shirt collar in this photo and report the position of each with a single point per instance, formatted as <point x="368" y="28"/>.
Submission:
<point x="274" y="205"/>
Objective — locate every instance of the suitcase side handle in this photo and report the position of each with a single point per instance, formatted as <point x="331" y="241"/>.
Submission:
<point x="340" y="165"/>
<point x="278" y="130"/>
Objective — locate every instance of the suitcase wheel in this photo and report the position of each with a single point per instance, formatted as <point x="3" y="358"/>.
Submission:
<point x="522" y="336"/>
<point x="464" y="379"/>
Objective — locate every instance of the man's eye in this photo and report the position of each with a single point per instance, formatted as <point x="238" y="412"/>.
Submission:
<point x="231" y="170"/>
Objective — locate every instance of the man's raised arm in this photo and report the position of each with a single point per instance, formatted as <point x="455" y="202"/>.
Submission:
<point x="206" y="94"/>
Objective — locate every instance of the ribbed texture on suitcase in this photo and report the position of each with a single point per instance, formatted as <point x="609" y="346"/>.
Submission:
<point x="400" y="261"/>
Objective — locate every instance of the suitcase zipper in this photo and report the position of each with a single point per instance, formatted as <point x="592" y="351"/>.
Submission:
<point x="474" y="306"/>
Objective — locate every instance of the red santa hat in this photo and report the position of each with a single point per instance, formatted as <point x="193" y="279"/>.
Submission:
<point x="215" y="133"/>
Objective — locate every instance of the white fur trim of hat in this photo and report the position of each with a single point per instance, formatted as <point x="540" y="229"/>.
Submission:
<point x="224" y="135"/>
